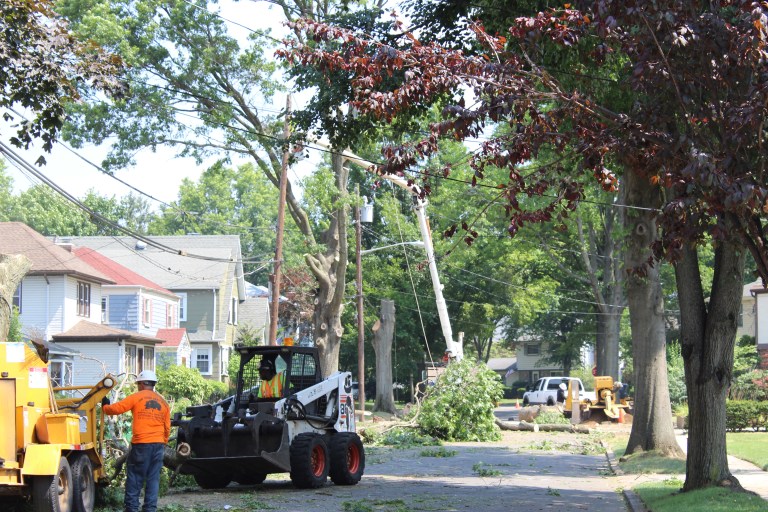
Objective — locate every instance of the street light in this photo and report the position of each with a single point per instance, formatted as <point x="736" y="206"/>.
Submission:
<point x="416" y="243"/>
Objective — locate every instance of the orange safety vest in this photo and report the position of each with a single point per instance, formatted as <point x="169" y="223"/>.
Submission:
<point x="272" y="388"/>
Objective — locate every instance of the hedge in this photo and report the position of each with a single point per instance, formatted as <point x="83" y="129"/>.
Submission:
<point x="746" y="414"/>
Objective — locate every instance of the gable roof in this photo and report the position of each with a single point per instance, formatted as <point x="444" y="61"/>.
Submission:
<point x="47" y="258"/>
<point x="89" y="331"/>
<point x="216" y="258"/>
<point x="119" y="274"/>
<point x="171" y="337"/>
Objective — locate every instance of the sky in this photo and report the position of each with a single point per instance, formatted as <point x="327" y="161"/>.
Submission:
<point x="160" y="173"/>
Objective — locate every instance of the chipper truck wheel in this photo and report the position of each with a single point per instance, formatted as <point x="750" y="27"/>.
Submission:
<point x="212" y="480"/>
<point x="309" y="461"/>
<point x="347" y="458"/>
<point x="53" y="493"/>
<point x="83" y="485"/>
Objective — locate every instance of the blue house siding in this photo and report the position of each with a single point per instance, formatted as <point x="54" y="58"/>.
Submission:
<point x="124" y="312"/>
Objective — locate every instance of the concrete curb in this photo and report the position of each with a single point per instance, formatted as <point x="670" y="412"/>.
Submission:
<point x="632" y="499"/>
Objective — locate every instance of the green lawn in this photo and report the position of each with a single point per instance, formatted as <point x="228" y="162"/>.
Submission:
<point x="664" y="497"/>
<point x="751" y="446"/>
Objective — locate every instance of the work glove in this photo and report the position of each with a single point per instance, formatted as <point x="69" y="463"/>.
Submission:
<point x="105" y="401"/>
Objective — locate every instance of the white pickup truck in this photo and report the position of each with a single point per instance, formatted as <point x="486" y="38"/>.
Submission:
<point x="545" y="391"/>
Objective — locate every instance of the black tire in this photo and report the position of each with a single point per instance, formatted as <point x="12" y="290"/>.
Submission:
<point x="53" y="493"/>
<point x="347" y="458"/>
<point x="526" y="403"/>
<point x="250" y="478"/>
<point x="309" y="461"/>
<point x="212" y="480"/>
<point x="83" y="484"/>
<point x="550" y="402"/>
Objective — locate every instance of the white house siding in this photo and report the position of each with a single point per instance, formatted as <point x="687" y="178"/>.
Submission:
<point x="70" y="304"/>
<point x="528" y="365"/>
<point x="87" y="372"/>
<point x="42" y="311"/>
<point x="762" y="324"/>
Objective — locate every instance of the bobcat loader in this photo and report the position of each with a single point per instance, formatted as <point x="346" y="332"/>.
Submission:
<point x="308" y="431"/>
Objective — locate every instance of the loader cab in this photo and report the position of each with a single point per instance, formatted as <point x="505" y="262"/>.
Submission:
<point x="299" y="365"/>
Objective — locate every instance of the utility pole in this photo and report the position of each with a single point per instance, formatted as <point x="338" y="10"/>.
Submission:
<point x="275" y="277"/>
<point x="360" y="319"/>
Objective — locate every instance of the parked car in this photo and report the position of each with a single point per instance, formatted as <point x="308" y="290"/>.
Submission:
<point x="545" y="391"/>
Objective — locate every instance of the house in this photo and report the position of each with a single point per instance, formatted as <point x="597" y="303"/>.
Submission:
<point x="133" y="303"/>
<point x="205" y="271"/>
<point x="531" y="354"/>
<point x="175" y="349"/>
<point x="754" y="318"/>
<point x="106" y="350"/>
<point x="59" y="291"/>
<point x="506" y="368"/>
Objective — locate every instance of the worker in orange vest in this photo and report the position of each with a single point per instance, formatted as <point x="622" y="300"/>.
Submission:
<point x="271" y="381"/>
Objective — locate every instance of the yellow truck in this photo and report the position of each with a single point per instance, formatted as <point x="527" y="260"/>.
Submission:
<point x="50" y="448"/>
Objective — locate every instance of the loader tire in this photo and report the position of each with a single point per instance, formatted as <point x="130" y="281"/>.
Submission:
<point x="83" y="484"/>
<point x="309" y="461"/>
<point x="212" y="480"/>
<point x="347" y="458"/>
<point x="53" y="493"/>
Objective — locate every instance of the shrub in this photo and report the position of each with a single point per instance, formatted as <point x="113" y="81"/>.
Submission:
<point x="459" y="407"/>
<point x="744" y="414"/>
<point x="752" y="385"/>
<point x="551" y="418"/>
<point x="177" y="382"/>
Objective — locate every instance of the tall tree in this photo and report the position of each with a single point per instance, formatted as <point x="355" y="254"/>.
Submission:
<point x="194" y="88"/>
<point x="691" y="130"/>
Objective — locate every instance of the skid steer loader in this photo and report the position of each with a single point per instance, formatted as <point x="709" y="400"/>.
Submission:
<point x="50" y="449"/>
<point x="307" y="431"/>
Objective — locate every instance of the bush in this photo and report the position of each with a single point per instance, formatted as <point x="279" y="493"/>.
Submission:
<point x="752" y="385"/>
<point x="459" y="407"/>
<point x="551" y="418"/>
<point x="744" y="414"/>
<point x="177" y="382"/>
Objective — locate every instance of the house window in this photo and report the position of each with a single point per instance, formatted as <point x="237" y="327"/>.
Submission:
<point x="170" y="315"/>
<point x="741" y="315"/>
<point x="146" y="311"/>
<point x="83" y="299"/>
<point x="149" y="358"/>
<point x="233" y="311"/>
<point x="201" y="358"/>
<point x="139" y="359"/>
<point x="105" y="310"/>
<point x="131" y="364"/>
<point x="534" y="376"/>
<point x="17" y="298"/>
<point x="61" y="373"/>
<point x="532" y="349"/>
<point x="182" y="307"/>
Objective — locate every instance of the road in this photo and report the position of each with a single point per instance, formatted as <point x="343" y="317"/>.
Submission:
<point x="530" y="471"/>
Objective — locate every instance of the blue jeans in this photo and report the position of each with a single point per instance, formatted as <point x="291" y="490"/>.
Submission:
<point x="143" y="469"/>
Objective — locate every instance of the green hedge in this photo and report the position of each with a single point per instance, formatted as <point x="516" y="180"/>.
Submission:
<point x="746" y="414"/>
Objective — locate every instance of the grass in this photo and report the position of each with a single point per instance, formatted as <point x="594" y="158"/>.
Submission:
<point x="644" y="463"/>
<point x="665" y="497"/>
<point x="751" y="446"/>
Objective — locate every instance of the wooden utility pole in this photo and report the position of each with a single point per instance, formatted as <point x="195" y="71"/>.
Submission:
<point x="275" y="277"/>
<point x="360" y="319"/>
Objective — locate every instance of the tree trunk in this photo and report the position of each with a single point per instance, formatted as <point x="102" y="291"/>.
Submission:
<point x="708" y="337"/>
<point x="13" y="268"/>
<point x="383" y="334"/>
<point x="330" y="268"/>
<point x="652" y="418"/>
<point x="607" y="343"/>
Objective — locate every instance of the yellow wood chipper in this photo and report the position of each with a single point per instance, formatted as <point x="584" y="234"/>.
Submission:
<point x="606" y="399"/>
<point x="50" y="449"/>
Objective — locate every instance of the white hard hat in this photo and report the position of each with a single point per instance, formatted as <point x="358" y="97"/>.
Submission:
<point x="147" y="376"/>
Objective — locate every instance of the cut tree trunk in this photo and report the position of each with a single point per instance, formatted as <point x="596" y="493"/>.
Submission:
<point x="383" y="334"/>
<point x="13" y="268"/>
<point x="708" y="334"/>
<point x="652" y="418"/>
<point x="330" y="268"/>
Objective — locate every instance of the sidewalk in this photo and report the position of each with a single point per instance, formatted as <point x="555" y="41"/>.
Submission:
<point x="750" y="476"/>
